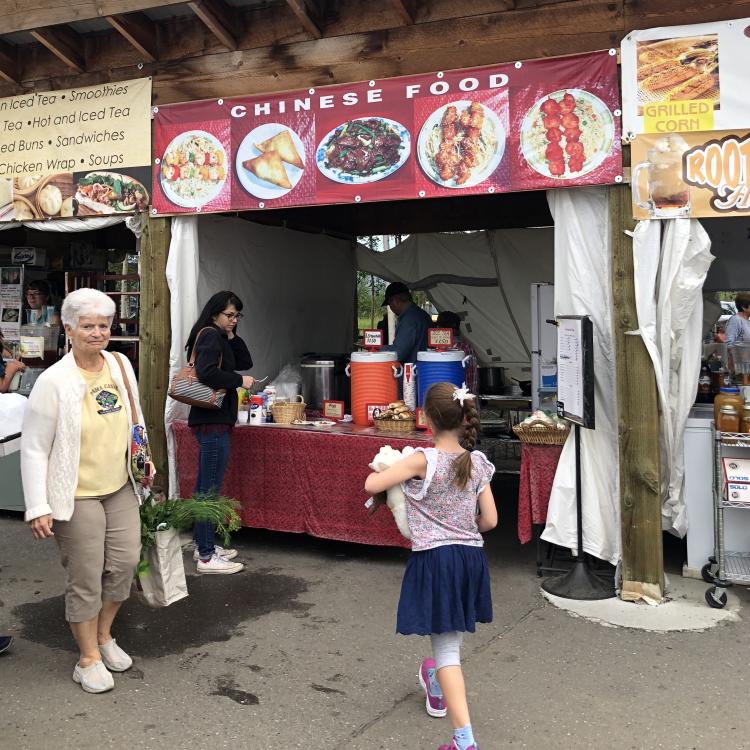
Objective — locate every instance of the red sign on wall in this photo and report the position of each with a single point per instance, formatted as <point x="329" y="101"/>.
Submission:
<point x="504" y="128"/>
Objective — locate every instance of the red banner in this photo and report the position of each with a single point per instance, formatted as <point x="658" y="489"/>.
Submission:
<point x="504" y="128"/>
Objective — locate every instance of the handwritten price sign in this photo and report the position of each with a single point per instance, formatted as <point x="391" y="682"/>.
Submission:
<point x="440" y="338"/>
<point x="373" y="338"/>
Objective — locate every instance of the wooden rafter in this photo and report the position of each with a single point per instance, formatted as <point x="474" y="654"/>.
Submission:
<point x="8" y="63"/>
<point x="33" y="14"/>
<point x="63" y="43"/>
<point x="139" y="30"/>
<point x="405" y="9"/>
<point x="218" y="16"/>
<point x="305" y="17"/>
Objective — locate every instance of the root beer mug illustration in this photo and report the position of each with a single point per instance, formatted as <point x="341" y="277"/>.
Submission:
<point x="667" y="195"/>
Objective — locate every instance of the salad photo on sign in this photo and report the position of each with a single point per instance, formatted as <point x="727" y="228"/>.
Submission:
<point x="364" y="150"/>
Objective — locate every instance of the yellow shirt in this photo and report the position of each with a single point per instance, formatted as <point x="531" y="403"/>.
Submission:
<point x="105" y="432"/>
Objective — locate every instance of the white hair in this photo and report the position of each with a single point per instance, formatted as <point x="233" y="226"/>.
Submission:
<point x="86" y="302"/>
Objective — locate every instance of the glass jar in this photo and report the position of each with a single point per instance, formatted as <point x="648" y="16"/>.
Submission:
<point x="729" y="419"/>
<point x="745" y="419"/>
<point x="728" y="397"/>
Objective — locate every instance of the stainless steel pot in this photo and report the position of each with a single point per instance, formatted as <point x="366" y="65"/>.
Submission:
<point x="490" y="380"/>
<point x="318" y="382"/>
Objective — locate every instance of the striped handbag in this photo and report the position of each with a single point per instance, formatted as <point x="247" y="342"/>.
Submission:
<point x="187" y="389"/>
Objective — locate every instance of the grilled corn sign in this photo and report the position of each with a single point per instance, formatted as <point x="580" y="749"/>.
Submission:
<point x="76" y="152"/>
<point x="519" y="126"/>
<point x="687" y="118"/>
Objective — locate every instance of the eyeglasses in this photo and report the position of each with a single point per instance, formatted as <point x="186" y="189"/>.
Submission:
<point x="232" y="316"/>
<point x="34" y="294"/>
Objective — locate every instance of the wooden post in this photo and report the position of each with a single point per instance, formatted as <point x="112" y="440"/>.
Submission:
<point x="640" y="488"/>
<point x="155" y="335"/>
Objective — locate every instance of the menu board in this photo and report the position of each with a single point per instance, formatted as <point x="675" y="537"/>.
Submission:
<point x="76" y="152"/>
<point x="11" y="301"/>
<point x="575" y="369"/>
<point x="520" y="126"/>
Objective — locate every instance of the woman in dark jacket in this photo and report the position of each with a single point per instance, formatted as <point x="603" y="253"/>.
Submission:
<point x="219" y="352"/>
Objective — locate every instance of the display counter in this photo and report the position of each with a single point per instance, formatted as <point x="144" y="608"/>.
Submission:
<point x="302" y="479"/>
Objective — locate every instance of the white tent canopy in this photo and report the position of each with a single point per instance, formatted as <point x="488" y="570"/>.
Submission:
<point x="485" y="277"/>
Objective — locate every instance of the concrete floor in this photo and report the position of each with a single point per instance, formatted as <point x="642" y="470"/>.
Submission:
<point x="299" y="651"/>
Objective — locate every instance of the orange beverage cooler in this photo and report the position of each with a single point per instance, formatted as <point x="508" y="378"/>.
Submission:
<point x="374" y="377"/>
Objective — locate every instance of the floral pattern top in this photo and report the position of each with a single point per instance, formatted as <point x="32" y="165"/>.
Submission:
<point x="438" y="512"/>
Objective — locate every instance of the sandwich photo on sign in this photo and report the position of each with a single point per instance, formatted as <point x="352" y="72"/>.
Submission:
<point x="270" y="161"/>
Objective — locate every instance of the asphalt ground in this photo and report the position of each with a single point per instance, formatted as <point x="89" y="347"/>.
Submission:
<point x="299" y="651"/>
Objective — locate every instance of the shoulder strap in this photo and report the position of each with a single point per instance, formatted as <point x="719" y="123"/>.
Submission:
<point x="133" y="412"/>
<point x="191" y="361"/>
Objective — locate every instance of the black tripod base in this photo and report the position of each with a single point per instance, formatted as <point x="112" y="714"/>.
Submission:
<point x="580" y="583"/>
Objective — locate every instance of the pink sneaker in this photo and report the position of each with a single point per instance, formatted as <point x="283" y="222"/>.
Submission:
<point x="454" y="746"/>
<point x="434" y="704"/>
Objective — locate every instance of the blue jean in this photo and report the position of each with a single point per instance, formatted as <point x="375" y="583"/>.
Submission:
<point x="212" y="464"/>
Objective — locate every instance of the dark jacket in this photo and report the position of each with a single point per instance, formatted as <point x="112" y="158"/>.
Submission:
<point x="214" y="346"/>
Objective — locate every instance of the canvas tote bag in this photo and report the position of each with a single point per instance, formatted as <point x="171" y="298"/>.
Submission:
<point x="187" y="389"/>
<point x="165" y="582"/>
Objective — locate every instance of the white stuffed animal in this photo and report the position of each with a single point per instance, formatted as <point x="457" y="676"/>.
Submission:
<point x="395" y="498"/>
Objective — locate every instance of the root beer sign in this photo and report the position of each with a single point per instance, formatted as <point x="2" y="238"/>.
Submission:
<point x="76" y="152"/>
<point x="523" y="126"/>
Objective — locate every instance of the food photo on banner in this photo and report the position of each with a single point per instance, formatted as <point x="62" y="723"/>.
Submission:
<point x="76" y="152"/>
<point x="522" y="126"/>
<point x="687" y="121"/>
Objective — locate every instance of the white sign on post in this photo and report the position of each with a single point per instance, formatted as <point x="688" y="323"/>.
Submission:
<point x="575" y="369"/>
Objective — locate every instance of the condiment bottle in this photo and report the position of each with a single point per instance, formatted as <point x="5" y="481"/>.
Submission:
<point x="728" y="397"/>
<point x="729" y="419"/>
<point x="745" y="419"/>
<point x="704" y="385"/>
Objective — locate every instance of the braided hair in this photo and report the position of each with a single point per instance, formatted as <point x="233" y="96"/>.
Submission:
<point x="447" y="413"/>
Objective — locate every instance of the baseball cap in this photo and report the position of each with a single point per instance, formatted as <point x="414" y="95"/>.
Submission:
<point x="396" y="287"/>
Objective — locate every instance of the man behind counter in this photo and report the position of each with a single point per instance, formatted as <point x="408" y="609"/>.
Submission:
<point x="412" y="325"/>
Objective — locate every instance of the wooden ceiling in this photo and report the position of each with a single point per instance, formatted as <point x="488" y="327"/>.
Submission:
<point x="211" y="48"/>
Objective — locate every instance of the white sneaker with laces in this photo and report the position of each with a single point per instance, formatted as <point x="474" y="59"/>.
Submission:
<point x="227" y="554"/>
<point x="220" y="566"/>
<point x="114" y="658"/>
<point x="93" y="679"/>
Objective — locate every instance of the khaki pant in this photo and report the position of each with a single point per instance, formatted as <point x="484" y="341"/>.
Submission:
<point x="100" y="546"/>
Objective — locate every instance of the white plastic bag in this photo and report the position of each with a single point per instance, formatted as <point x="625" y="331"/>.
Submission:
<point x="288" y="382"/>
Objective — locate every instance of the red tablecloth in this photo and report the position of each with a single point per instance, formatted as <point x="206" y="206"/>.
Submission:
<point x="300" y="480"/>
<point x="538" y="466"/>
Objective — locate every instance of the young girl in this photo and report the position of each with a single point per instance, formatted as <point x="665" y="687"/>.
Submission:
<point x="446" y="586"/>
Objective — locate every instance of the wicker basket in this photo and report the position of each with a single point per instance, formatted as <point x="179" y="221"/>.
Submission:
<point x="540" y="433"/>
<point x="395" y="425"/>
<point x="285" y="412"/>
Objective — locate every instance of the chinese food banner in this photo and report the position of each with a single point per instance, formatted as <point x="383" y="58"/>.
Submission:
<point x="76" y="152"/>
<point x="686" y="79"/>
<point x="686" y="115"/>
<point x="523" y="126"/>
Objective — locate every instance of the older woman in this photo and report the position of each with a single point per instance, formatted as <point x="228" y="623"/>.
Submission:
<point x="78" y="483"/>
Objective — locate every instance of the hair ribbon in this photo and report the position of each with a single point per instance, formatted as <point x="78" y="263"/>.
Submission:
<point x="461" y="394"/>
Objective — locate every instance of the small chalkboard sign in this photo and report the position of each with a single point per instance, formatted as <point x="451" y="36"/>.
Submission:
<point x="575" y="369"/>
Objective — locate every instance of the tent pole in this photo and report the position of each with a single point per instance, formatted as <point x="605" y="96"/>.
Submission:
<point x="640" y="484"/>
<point x="155" y="336"/>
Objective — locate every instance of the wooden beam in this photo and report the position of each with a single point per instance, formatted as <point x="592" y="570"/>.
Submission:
<point x="139" y="30"/>
<point x="219" y="18"/>
<point x="9" y="69"/>
<point x="32" y="14"/>
<point x="405" y="10"/>
<point x="309" y="24"/>
<point x="155" y="336"/>
<point x="63" y="43"/>
<point x="640" y="478"/>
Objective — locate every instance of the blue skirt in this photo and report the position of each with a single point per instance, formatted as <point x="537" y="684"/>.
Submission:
<point x="445" y="589"/>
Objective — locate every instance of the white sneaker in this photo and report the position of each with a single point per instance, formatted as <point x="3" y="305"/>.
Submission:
<point x="219" y="565"/>
<point x="94" y="678"/>
<point x="114" y="658"/>
<point x="227" y="554"/>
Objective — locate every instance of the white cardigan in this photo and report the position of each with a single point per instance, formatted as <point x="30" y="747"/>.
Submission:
<point x="51" y="436"/>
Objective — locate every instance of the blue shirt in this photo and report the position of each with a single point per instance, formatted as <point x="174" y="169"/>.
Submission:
<point x="737" y="330"/>
<point x="411" y="334"/>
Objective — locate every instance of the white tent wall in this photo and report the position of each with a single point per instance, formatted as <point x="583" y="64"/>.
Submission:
<point x="730" y="243"/>
<point x="583" y="271"/>
<point x="460" y="272"/>
<point x="297" y="288"/>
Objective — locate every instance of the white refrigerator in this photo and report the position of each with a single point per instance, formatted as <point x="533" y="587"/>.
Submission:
<point x="543" y="348"/>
